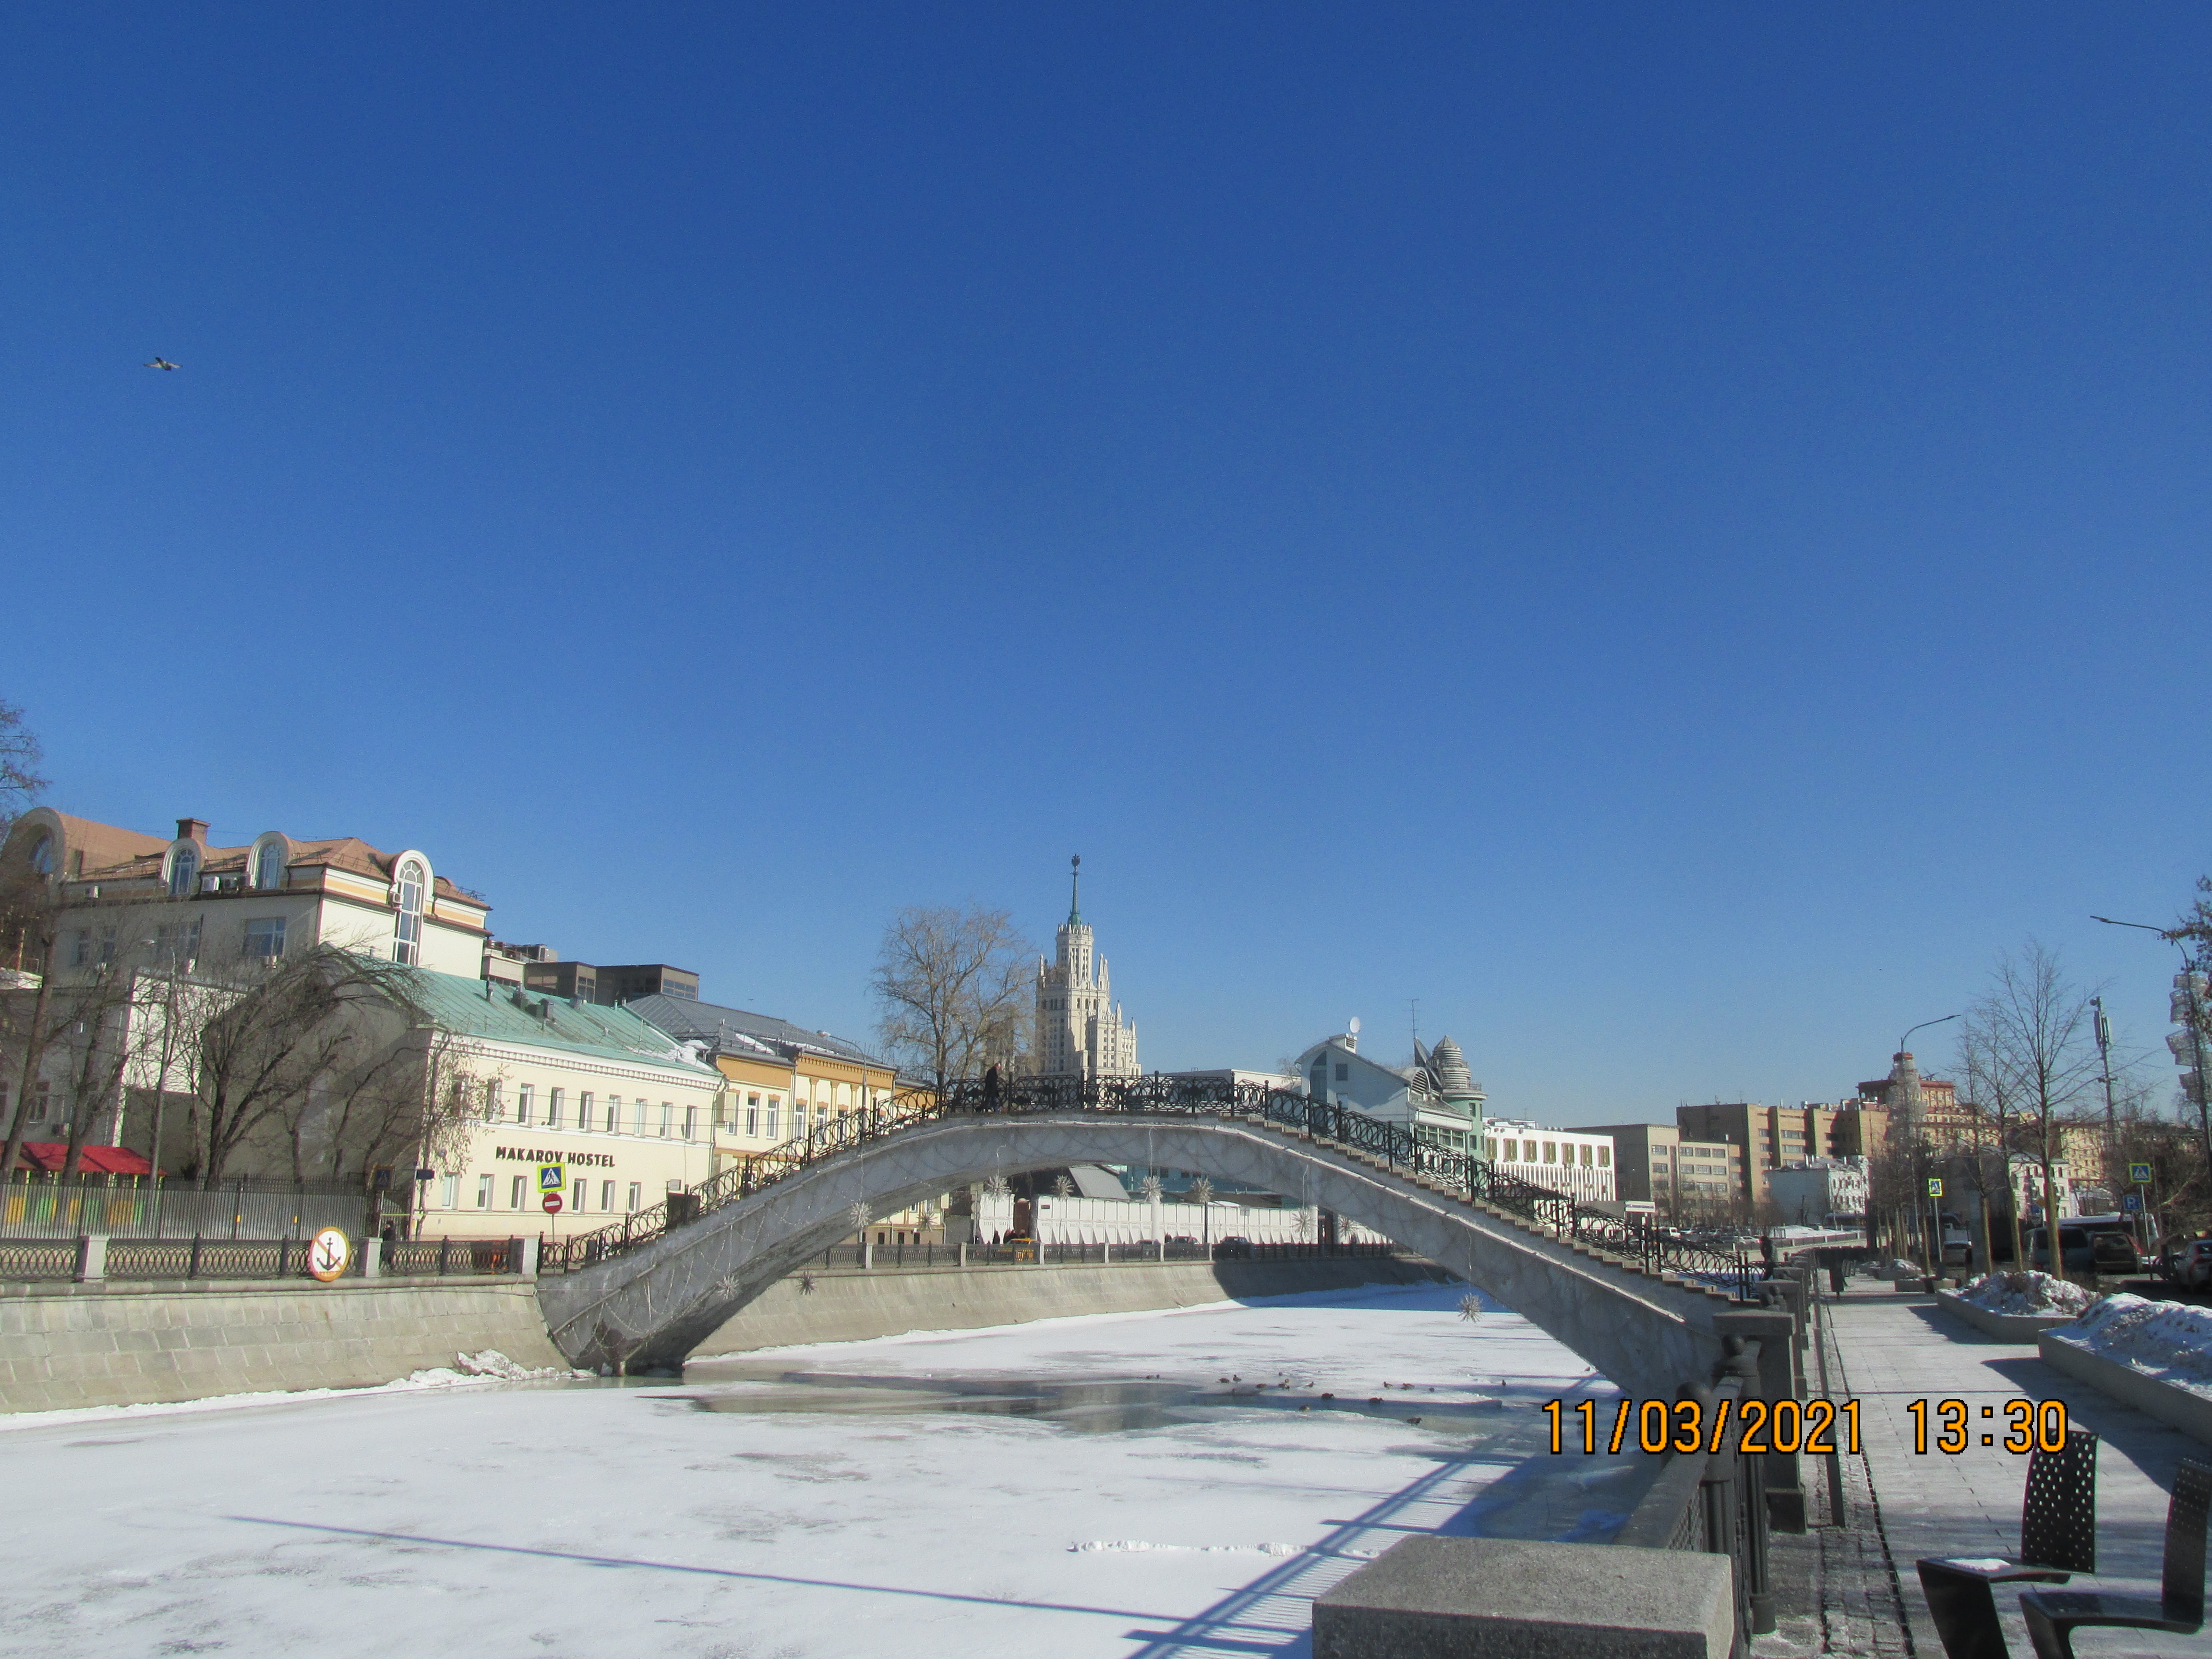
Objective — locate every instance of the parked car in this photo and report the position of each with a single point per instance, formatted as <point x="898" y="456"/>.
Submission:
<point x="2190" y="1263"/>
<point x="2089" y="1247"/>
<point x="1234" y="1245"/>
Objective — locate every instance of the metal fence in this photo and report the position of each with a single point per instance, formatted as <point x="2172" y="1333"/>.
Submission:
<point x="1021" y="1253"/>
<point x="1716" y="1502"/>
<point x="41" y="1206"/>
<point x="156" y="1259"/>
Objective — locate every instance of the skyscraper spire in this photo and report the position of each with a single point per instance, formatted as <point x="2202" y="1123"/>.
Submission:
<point x="1074" y="877"/>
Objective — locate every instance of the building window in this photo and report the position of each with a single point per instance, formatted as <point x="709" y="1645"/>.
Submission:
<point x="492" y="1107"/>
<point x="483" y="1191"/>
<point x="752" y="1116"/>
<point x="636" y="1193"/>
<point x="614" y="1115"/>
<point x="40" y="1102"/>
<point x="580" y="1191"/>
<point x="184" y="870"/>
<point x="606" y="1194"/>
<point x="771" y="1117"/>
<point x="81" y="950"/>
<point x="1605" y="1157"/>
<point x="42" y="857"/>
<point x="1551" y="1151"/>
<point x="269" y="865"/>
<point x="449" y="1192"/>
<point x="264" y="939"/>
<point x="637" y="1121"/>
<point x="584" y="1110"/>
<point x="690" y="1123"/>
<point x="522" y="1102"/>
<point x="667" y="1117"/>
<point x="407" y="942"/>
<point x="1343" y="1070"/>
<point x="517" y="1190"/>
<point x="556" y="1100"/>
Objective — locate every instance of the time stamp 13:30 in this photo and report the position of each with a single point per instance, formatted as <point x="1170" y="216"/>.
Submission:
<point x="1815" y="1427"/>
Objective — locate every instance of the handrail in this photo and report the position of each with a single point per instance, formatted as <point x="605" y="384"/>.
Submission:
<point x="1634" y="1238"/>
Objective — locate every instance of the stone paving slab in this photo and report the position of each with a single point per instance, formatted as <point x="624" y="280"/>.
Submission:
<point x="1887" y="1351"/>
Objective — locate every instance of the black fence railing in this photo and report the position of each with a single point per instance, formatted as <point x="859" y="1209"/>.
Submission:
<point x="1019" y="1252"/>
<point x="155" y="1259"/>
<point x="1725" y="1262"/>
<point x="1716" y="1502"/>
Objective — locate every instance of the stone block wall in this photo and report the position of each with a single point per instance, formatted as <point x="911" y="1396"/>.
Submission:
<point x="115" y="1344"/>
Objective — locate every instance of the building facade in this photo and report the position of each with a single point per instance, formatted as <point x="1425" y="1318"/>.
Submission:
<point x="1080" y="1030"/>
<point x="619" y="1108"/>
<point x="1437" y="1096"/>
<point x="1656" y="1163"/>
<point x="1577" y="1162"/>
<point x="1821" y="1192"/>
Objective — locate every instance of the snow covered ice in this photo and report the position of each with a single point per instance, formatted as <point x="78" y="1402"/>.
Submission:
<point x="1127" y="1485"/>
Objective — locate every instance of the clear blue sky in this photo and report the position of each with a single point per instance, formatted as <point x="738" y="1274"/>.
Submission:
<point x="1671" y="535"/>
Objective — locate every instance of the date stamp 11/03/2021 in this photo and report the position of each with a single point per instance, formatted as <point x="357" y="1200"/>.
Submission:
<point x="1813" y="1427"/>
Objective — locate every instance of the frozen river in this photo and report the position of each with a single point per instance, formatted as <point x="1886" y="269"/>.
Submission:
<point x="1127" y="1485"/>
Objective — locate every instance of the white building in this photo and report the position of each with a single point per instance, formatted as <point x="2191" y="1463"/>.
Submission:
<point x="1576" y="1162"/>
<point x="1437" y="1096"/>
<point x="1820" y="1190"/>
<point x="1079" y="1029"/>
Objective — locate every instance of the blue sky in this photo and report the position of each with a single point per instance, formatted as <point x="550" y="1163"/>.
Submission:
<point x="1671" y="536"/>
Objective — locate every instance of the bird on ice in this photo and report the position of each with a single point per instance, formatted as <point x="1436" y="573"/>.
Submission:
<point x="161" y="362"/>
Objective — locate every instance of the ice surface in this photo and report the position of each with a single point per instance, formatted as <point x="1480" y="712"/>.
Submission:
<point x="492" y="1518"/>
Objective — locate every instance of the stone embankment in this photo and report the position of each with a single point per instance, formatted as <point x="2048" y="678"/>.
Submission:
<point x="119" y="1344"/>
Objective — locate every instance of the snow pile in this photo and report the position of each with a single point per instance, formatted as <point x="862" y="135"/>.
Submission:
<point x="1898" y="1270"/>
<point x="2027" y="1293"/>
<point x="490" y="1366"/>
<point x="2171" y="1338"/>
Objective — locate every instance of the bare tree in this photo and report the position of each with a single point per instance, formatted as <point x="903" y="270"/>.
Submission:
<point x="20" y="755"/>
<point x="954" y="986"/>
<point x="2034" y="1042"/>
<point x="271" y="1035"/>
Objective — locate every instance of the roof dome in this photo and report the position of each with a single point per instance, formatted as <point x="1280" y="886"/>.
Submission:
<point x="1450" y="1068"/>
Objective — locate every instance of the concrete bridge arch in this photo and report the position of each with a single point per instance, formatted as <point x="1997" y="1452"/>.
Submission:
<point x="649" y="1308"/>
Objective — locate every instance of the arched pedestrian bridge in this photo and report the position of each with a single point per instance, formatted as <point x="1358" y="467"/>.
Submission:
<point x="1636" y="1303"/>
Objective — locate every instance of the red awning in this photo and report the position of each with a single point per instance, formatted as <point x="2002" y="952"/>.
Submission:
<point x="47" y="1157"/>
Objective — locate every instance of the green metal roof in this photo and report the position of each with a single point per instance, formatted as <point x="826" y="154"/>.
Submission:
<point x="500" y="1013"/>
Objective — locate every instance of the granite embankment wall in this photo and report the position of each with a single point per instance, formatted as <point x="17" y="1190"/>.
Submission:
<point x="851" y="1306"/>
<point x="115" y="1344"/>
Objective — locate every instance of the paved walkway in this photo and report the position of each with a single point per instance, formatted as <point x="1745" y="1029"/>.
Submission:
<point x="1888" y="1350"/>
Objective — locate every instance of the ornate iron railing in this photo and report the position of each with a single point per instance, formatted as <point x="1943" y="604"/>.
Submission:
<point x="1722" y="1262"/>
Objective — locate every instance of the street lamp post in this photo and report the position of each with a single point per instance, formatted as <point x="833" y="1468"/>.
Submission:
<point x="1936" y="1214"/>
<point x="2190" y="969"/>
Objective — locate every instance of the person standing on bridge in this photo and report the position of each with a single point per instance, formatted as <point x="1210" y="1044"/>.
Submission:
<point x="991" y="1087"/>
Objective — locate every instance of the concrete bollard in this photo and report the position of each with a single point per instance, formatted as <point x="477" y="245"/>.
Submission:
<point x="528" y="1264"/>
<point x="91" y="1258"/>
<point x="964" y="1252"/>
<point x="867" y="1254"/>
<point x="1500" y="1598"/>
<point x="372" y="1258"/>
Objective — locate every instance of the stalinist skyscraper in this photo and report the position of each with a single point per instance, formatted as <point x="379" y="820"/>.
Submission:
<point x="1080" y="1030"/>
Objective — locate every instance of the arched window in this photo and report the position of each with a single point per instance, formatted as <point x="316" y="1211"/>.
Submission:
<point x="42" y="856"/>
<point x="184" y="872"/>
<point x="408" y="946"/>
<point x="269" y="864"/>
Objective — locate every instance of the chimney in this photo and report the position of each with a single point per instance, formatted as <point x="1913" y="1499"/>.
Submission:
<point x="192" y="829"/>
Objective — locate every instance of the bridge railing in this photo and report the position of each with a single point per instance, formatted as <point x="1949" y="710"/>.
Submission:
<point x="1720" y="1260"/>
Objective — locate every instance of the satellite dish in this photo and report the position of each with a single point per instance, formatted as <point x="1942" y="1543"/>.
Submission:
<point x="1354" y="1027"/>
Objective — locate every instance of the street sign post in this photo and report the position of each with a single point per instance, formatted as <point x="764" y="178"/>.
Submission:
<point x="551" y="1203"/>
<point x="2130" y="1203"/>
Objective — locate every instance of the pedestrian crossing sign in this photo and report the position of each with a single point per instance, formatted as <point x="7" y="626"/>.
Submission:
<point x="2139" y="1175"/>
<point x="1935" y="1186"/>
<point x="550" y="1178"/>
